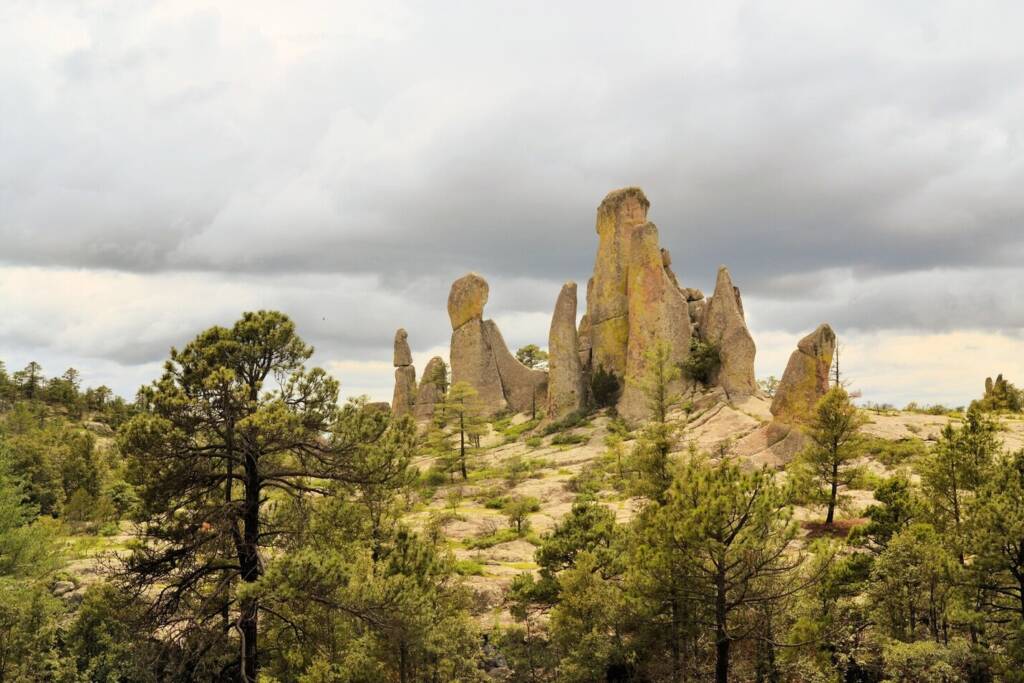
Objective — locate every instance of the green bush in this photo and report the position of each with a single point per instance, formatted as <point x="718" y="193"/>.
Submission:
<point x="703" y="361"/>
<point x="491" y="540"/>
<point x="568" y="439"/>
<point x="534" y="442"/>
<point x="496" y="503"/>
<point x="893" y="453"/>
<point x="604" y="387"/>
<point x="574" y="419"/>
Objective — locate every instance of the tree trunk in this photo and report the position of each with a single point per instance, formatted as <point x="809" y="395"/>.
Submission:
<point x="250" y="571"/>
<point x="721" y="634"/>
<point x="834" y="494"/>
<point x="462" y="448"/>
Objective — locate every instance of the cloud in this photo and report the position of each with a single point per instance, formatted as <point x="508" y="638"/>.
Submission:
<point x="169" y="164"/>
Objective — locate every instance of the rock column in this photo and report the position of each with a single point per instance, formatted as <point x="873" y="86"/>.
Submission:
<point x="405" y="376"/>
<point x="566" y="389"/>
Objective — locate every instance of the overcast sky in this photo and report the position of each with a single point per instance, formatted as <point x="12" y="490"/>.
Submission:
<point x="165" y="166"/>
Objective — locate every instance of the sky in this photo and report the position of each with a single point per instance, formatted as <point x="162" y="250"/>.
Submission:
<point x="165" y="166"/>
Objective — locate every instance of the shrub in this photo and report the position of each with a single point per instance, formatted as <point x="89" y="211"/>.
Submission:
<point x="703" y="361"/>
<point x="491" y="539"/>
<point x="496" y="503"/>
<point x="568" y="439"/>
<point x="604" y="387"/>
<point x="574" y="419"/>
<point x="534" y="442"/>
<point x="518" y="510"/>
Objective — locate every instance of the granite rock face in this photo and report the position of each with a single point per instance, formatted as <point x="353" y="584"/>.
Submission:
<point x="405" y="391"/>
<point x="723" y="324"/>
<point x="618" y="216"/>
<point x="467" y="299"/>
<point x="480" y="357"/>
<point x="403" y="355"/>
<point x="524" y="389"/>
<point x="404" y="396"/>
<point x="431" y="389"/>
<point x="806" y="379"/>
<point x="658" y="312"/>
<point x="566" y="388"/>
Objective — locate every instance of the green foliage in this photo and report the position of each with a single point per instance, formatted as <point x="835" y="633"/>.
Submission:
<point x="604" y="387"/>
<point x="458" y="425"/>
<point x="574" y="419"/>
<point x="491" y="539"/>
<point x="532" y="356"/>
<point x="957" y="465"/>
<point x="835" y="444"/>
<point x="768" y="385"/>
<point x="893" y="453"/>
<point x="1000" y="395"/>
<point x="517" y="510"/>
<point x="469" y="568"/>
<point x="898" y="505"/>
<point x="568" y="439"/>
<point x="235" y="419"/>
<point x="535" y="442"/>
<point x="703" y="361"/>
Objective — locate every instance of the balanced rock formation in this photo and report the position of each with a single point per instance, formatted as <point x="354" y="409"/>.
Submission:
<point x="723" y="324"/>
<point x="405" y="376"/>
<point x="806" y="379"/>
<point x="480" y="357"/>
<point x="431" y="390"/>
<point x="566" y="388"/>
<point x="657" y="313"/>
<point x="621" y="212"/>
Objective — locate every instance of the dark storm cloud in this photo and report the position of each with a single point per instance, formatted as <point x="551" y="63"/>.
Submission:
<point x="345" y="161"/>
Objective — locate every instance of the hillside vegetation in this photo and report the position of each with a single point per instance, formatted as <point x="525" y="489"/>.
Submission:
<point x="236" y="521"/>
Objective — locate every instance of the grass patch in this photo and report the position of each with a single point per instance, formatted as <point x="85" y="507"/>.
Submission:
<point x="469" y="568"/>
<point x="893" y="453"/>
<point x="492" y="539"/>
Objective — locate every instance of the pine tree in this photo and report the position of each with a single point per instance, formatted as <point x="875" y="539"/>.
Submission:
<point x="835" y="443"/>
<point x="235" y="418"/>
<point x="461" y="415"/>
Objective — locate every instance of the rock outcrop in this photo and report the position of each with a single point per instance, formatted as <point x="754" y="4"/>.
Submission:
<point x="723" y="324"/>
<point x="657" y="313"/>
<point x="806" y="378"/>
<point x="525" y="389"/>
<point x="566" y="388"/>
<point x="621" y="212"/>
<point x="405" y="376"/>
<point x="480" y="357"/>
<point x="431" y="389"/>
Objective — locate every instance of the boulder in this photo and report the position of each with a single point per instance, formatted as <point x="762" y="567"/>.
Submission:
<point x="405" y="391"/>
<point x="431" y="389"/>
<point x="524" y="388"/>
<point x="403" y="355"/>
<point x="466" y="299"/>
<point x="566" y="390"/>
<point x="724" y="326"/>
<point x="805" y="380"/>
<point x="621" y="212"/>
<point x="658" y="312"/>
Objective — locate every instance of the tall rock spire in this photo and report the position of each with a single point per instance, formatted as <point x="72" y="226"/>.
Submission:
<point x="405" y="376"/>
<point x="724" y="325"/>
<point x="566" y="390"/>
